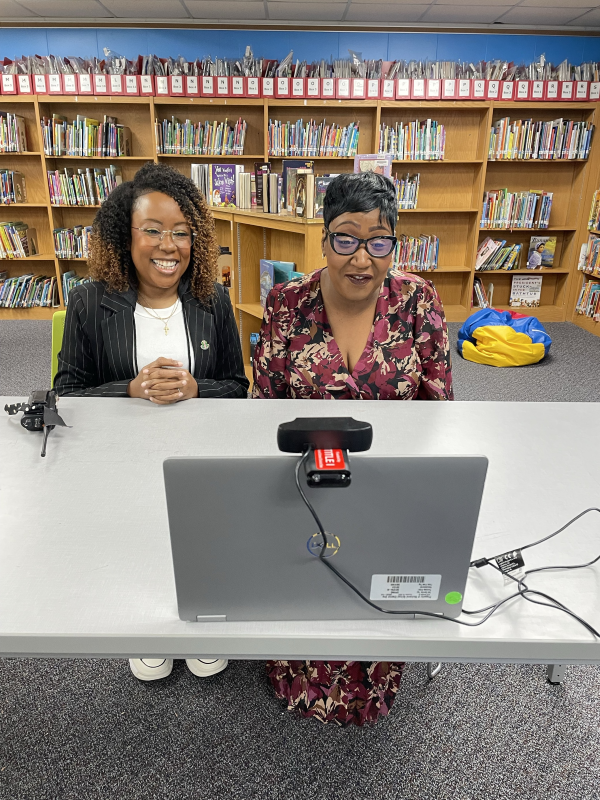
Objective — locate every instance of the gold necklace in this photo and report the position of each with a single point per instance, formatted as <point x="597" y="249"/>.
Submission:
<point x="152" y="312"/>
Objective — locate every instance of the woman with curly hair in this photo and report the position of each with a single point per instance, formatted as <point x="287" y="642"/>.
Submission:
<point x="153" y="323"/>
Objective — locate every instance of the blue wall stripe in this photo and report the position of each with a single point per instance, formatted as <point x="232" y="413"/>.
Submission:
<point x="308" y="45"/>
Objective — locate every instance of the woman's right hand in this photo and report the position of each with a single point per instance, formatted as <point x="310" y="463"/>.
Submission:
<point x="161" y="369"/>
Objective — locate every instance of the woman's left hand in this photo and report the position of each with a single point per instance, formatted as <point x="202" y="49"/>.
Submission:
<point x="161" y="387"/>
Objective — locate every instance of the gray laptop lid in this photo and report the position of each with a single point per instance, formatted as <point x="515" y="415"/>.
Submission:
<point x="245" y="546"/>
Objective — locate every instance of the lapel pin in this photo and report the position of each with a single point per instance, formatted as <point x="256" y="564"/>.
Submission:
<point x="204" y="345"/>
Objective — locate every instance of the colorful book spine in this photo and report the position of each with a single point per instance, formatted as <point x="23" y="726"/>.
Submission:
<point x="525" y="140"/>
<point x="204" y="139"/>
<point x="311" y="139"/>
<point x="414" y="141"/>
<point x="416" y="253"/>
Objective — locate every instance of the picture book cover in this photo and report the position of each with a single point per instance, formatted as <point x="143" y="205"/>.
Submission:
<point x="541" y="252"/>
<point x="267" y="277"/>
<point x="288" y="164"/>
<point x="222" y="185"/>
<point x="380" y="163"/>
<point x="321" y="184"/>
<point x="525" y="291"/>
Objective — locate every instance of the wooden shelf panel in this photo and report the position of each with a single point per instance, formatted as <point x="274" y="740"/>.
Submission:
<point x="587" y="323"/>
<point x="526" y="230"/>
<point x="99" y="158"/>
<point x="543" y="271"/>
<point x="40" y="257"/>
<point x="185" y="155"/>
<point x="254" y="309"/>
<point x="37" y="312"/>
<point x="549" y="313"/>
<point x="21" y="154"/>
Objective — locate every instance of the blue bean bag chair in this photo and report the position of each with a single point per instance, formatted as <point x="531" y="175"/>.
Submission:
<point x="503" y="339"/>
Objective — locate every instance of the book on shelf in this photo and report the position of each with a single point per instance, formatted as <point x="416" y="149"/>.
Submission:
<point x="594" y="220"/>
<point x="413" y="141"/>
<point x="590" y="255"/>
<point x="504" y="209"/>
<point x="321" y="184"/>
<point x="13" y="133"/>
<point x="225" y="264"/>
<point x="304" y="195"/>
<point x="267" y="278"/>
<point x="223" y="184"/>
<point x="17" y="240"/>
<point x="480" y="299"/>
<point x="495" y="255"/>
<point x="525" y="291"/>
<point x="85" y="136"/>
<point x="12" y="187"/>
<point x="526" y="140"/>
<point x="381" y="164"/>
<point x="261" y="168"/>
<point x="202" y="138"/>
<point x="312" y="139"/>
<point x="72" y="242"/>
<point x="287" y="165"/>
<point x="541" y="252"/>
<point x="588" y="303"/>
<point x="407" y="191"/>
<point x="278" y="272"/>
<point x="243" y="190"/>
<point x="70" y="280"/>
<point x="254" y="340"/>
<point x="27" y="291"/>
<point x="89" y="186"/>
<point x="416" y="253"/>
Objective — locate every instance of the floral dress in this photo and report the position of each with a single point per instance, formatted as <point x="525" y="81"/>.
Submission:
<point x="407" y="357"/>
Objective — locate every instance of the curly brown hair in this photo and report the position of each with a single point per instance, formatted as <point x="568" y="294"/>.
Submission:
<point x="110" y="257"/>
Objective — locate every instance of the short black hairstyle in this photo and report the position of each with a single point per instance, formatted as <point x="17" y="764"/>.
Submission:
<point x="349" y="193"/>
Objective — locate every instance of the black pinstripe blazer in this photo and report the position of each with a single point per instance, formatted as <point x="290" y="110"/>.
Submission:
<point x="98" y="355"/>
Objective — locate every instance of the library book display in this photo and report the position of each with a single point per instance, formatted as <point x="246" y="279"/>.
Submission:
<point x="449" y="202"/>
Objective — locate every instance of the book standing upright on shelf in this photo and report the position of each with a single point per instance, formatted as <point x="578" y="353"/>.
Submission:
<point x="381" y="164"/>
<point x="525" y="291"/>
<point x="223" y="184"/>
<point x="541" y="252"/>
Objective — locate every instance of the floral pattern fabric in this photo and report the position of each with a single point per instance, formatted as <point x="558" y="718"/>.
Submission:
<point x="407" y="355"/>
<point x="342" y="692"/>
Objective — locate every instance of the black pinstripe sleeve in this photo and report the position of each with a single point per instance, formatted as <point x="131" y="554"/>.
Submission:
<point x="78" y="371"/>
<point x="229" y="378"/>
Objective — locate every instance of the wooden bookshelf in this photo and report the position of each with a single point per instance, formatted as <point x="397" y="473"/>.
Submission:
<point x="450" y="193"/>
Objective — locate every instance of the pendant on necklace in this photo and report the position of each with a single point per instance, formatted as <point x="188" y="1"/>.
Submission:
<point x="166" y="330"/>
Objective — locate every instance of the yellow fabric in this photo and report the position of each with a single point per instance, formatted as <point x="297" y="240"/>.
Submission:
<point x="502" y="346"/>
<point x="58" y="329"/>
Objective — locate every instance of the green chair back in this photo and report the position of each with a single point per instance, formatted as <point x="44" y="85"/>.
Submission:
<point x="58" y="329"/>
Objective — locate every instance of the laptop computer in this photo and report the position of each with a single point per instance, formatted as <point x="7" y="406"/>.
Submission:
<point x="245" y="546"/>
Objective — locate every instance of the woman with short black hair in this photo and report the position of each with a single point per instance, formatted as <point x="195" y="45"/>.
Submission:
<point x="353" y="330"/>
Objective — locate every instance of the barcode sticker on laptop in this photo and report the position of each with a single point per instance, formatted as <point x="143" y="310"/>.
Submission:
<point x="405" y="587"/>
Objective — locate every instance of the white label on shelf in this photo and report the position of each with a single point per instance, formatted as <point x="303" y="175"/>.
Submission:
<point x="312" y="87"/>
<point x="373" y="88"/>
<point x="177" y="84"/>
<point x="478" y="88"/>
<point x="222" y="85"/>
<point x="131" y="84"/>
<point x="253" y="87"/>
<point x="552" y="90"/>
<point x="70" y="84"/>
<point x="449" y="88"/>
<point x="328" y="87"/>
<point x="343" y="88"/>
<point x="403" y="88"/>
<point x="298" y="87"/>
<point x="581" y="91"/>
<point x="405" y="587"/>
<point x="464" y="87"/>
<point x="116" y="84"/>
<point x="162" y="85"/>
<point x="208" y="84"/>
<point x="522" y="90"/>
<point x="237" y="85"/>
<point x="537" y="90"/>
<point x="55" y="83"/>
<point x="146" y="84"/>
<point x="595" y="90"/>
<point x="493" y="90"/>
<point x="418" y="87"/>
<point x="358" y="87"/>
<point x="508" y="90"/>
<point x="283" y="86"/>
<point x="8" y="84"/>
<point x="99" y="84"/>
<point x="25" y="83"/>
<point x="566" y="90"/>
<point x="268" y="87"/>
<point x="39" y="81"/>
<point x="388" y="89"/>
<point x="433" y="88"/>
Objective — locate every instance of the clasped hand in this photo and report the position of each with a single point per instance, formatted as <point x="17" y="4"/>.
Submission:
<point x="162" y="382"/>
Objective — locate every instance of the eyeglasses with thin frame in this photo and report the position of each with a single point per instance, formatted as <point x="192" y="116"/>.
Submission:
<point x="181" y="239"/>
<point x="344" y="244"/>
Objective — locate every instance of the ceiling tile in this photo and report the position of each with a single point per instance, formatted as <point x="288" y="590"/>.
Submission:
<point x="466" y="14"/>
<point x="74" y="9"/>
<point x="538" y="16"/>
<point x="591" y="19"/>
<point x="309" y="13"/>
<point x="146" y="9"/>
<point x="226" y="10"/>
<point x="581" y="4"/>
<point x="479" y="2"/>
<point x="9" y="10"/>
<point x="385" y="12"/>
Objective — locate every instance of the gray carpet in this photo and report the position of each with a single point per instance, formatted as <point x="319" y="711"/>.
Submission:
<point x="88" y="729"/>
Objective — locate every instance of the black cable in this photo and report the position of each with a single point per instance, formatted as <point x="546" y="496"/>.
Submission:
<point x="523" y="591"/>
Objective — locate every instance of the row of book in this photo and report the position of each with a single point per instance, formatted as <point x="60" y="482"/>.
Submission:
<point x="83" y="187"/>
<point x="416" y="253"/>
<point x="407" y="190"/>
<point x="480" y="299"/>
<point x="201" y="139"/>
<point x="588" y="303"/>
<point x="312" y="139"/>
<point x="590" y="256"/>
<point x="504" y="209"/>
<point x="12" y="187"/>
<point x="85" y="136"/>
<point x="69" y="281"/>
<point x="413" y="141"/>
<point x="274" y="272"/>
<point x="524" y="140"/>
<point x="26" y="291"/>
<point x="594" y="221"/>
<point x="17" y="240"/>
<point x="493" y="255"/>
<point x="72" y="242"/>
<point x="13" y="133"/>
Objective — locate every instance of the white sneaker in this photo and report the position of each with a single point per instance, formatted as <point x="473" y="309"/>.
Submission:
<point x="151" y="669"/>
<point x="203" y="667"/>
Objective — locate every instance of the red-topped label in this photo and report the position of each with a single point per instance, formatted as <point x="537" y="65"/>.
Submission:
<point x="330" y="459"/>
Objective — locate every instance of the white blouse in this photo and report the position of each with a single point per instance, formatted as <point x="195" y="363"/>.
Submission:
<point x="152" y="342"/>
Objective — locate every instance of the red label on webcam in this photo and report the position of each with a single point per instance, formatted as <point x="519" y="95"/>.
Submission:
<point x="330" y="459"/>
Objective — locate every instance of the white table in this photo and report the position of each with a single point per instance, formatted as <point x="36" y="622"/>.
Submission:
<point x="85" y="561"/>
